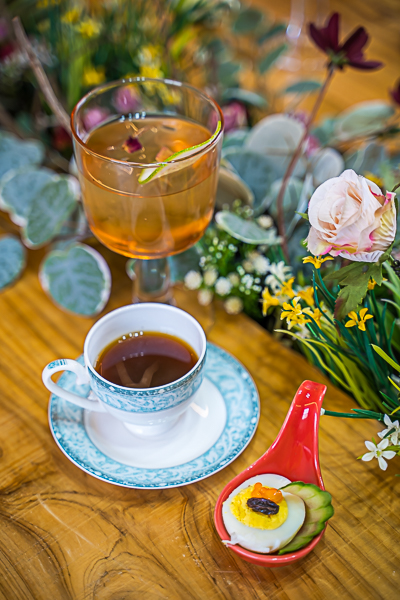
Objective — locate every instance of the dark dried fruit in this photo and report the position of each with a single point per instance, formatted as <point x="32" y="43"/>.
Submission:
<point x="263" y="505"/>
<point x="131" y="145"/>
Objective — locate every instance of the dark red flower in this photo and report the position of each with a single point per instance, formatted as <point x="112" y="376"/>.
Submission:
<point x="395" y="93"/>
<point x="61" y="139"/>
<point x="131" y="145"/>
<point x="350" y="52"/>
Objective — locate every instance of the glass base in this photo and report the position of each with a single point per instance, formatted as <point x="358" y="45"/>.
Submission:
<point x="151" y="280"/>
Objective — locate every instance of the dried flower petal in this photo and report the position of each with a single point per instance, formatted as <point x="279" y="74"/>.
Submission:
<point x="132" y="145"/>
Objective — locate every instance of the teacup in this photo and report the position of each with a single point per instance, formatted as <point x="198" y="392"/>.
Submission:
<point x="145" y="411"/>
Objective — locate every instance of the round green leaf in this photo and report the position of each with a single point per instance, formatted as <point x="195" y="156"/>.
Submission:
<point x="245" y="231"/>
<point x="231" y="187"/>
<point x="326" y="163"/>
<point x="277" y="137"/>
<point x="247" y="20"/>
<point x="12" y="260"/>
<point x="235" y="137"/>
<point x="19" y="188"/>
<point x="363" y="119"/>
<point x="255" y="170"/>
<point x="48" y="211"/>
<point x="244" y="96"/>
<point x="77" y="279"/>
<point x="367" y="158"/>
<point x="15" y="153"/>
<point x="290" y="199"/>
<point x="303" y="87"/>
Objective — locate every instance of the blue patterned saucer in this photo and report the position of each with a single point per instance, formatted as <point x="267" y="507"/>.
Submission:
<point x="227" y="382"/>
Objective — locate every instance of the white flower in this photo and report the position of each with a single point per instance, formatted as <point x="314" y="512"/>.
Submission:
<point x="279" y="273"/>
<point x="248" y="266"/>
<point x="265" y="221"/>
<point x="234" y="279"/>
<point x="210" y="276"/>
<point x="193" y="280"/>
<point x="233" y="305"/>
<point x="394" y="437"/>
<point x="379" y="452"/>
<point x="205" y="297"/>
<point x="223" y="286"/>
<point x="260" y="263"/>
<point x="248" y="280"/>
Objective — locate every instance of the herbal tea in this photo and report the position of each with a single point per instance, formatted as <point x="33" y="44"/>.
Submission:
<point x="145" y="360"/>
<point x="157" y="218"/>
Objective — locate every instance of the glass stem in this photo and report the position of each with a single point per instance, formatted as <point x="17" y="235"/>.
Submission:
<point x="151" y="282"/>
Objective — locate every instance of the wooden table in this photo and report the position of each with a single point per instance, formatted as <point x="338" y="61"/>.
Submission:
<point x="67" y="536"/>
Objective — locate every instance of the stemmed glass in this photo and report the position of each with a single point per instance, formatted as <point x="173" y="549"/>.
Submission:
<point x="146" y="196"/>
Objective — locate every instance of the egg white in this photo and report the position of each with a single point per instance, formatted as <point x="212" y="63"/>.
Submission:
<point x="265" y="541"/>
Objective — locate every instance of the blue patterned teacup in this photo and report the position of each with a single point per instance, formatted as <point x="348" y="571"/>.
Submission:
<point x="148" y="411"/>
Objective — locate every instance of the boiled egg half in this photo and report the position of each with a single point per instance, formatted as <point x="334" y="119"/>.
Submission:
<point x="264" y="533"/>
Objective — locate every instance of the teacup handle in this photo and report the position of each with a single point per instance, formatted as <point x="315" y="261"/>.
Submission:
<point x="66" y="364"/>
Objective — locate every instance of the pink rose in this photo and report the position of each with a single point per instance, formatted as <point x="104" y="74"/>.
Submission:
<point x="94" y="116"/>
<point x="351" y="218"/>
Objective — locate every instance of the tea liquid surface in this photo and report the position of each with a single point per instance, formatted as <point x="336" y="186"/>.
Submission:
<point x="158" y="218"/>
<point x="145" y="360"/>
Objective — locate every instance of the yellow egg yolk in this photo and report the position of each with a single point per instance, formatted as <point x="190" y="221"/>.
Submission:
<point x="249" y="517"/>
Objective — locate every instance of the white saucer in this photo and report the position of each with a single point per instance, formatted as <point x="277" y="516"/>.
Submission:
<point x="195" y="432"/>
<point x="206" y="438"/>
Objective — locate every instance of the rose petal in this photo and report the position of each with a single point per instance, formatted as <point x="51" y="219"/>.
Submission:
<point x="132" y="145"/>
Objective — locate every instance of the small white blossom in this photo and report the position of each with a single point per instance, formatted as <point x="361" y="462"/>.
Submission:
<point x="379" y="451"/>
<point x="279" y="272"/>
<point x="248" y="266"/>
<point x="205" y="297"/>
<point x="210" y="276"/>
<point x="248" y="281"/>
<point x="223" y="286"/>
<point x="234" y="279"/>
<point x="193" y="280"/>
<point x="233" y="305"/>
<point x="260" y="263"/>
<point x="265" y="221"/>
<point x="394" y="437"/>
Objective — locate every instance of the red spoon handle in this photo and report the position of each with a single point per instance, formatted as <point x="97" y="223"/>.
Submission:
<point x="294" y="453"/>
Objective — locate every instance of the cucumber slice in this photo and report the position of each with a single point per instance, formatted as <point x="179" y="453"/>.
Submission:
<point x="165" y="168"/>
<point x="318" y="510"/>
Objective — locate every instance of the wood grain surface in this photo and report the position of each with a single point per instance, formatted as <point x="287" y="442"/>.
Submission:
<point x="67" y="536"/>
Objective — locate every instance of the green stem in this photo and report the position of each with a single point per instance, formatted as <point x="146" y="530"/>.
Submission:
<point x="375" y="416"/>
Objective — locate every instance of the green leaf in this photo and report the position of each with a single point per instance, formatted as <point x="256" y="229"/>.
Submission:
<point x="231" y="187"/>
<point x="255" y="170"/>
<point x="303" y="215"/>
<point x="304" y="86"/>
<point x="247" y="20"/>
<point x="365" y="118"/>
<point x="270" y="59"/>
<point x="245" y="231"/>
<point x="227" y="73"/>
<point x="244" y="96"/>
<point x="235" y="137"/>
<point x="48" y="211"/>
<point x="19" y="188"/>
<point x="386" y="358"/>
<point x="270" y="33"/>
<point x="77" y="279"/>
<point x="16" y="153"/>
<point x="12" y="260"/>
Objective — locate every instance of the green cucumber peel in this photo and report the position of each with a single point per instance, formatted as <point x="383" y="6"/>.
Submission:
<point x="318" y="510"/>
<point x="152" y="172"/>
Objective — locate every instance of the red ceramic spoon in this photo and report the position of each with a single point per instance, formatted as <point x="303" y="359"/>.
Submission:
<point x="294" y="454"/>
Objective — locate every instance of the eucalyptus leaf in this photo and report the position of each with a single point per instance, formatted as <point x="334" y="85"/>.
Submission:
<point x="245" y="231"/>
<point x="277" y="137"/>
<point x="272" y="32"/>
<point x="48" y="211"/>
<point x="16" y="153"/>
<point x="290" y="199"/>
<point x="247" y="20"/>
<point x="19" y="188"/>
<point x="368" y="158"/>
<point x="77" y="279"/>
<point x="255" y="170"/>
<point x="304" y="86"/>
<point x="244" y="96"/>
<point x="270" y="59"/>
<point x="231" y="187"/>
<point x="12" y="260"/>
<point x="227" y="73"/>
<point x="235" y="137"/>
<point x="325" y="131"/>
<point x="326" y="163"/>
<point x="181" y="264"/>
<point x="363" y="119"/>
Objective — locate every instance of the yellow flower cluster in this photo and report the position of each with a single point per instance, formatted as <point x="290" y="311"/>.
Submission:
<point x="93" y="76"/>
<point x="295" y="314"/>
<point x="355" y="320"/>
<point x="89" y="28"/>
